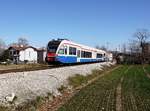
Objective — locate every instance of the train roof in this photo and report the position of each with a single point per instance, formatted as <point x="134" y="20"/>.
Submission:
<point x="81" y="46"/>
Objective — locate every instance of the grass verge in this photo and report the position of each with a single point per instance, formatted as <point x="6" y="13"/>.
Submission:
<point x="136" y="90"/>
<point x="79" y="79"/>
<point x="100" y="95"/>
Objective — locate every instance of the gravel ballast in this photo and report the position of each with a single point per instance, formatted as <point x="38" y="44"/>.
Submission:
<point x="28" y="85"/>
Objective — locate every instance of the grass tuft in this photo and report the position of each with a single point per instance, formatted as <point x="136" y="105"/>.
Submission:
<point x="3" y="108"/>
<point x="34" y="104"/>
<point x="77" y="80"/>
<point x="62" y="88"/>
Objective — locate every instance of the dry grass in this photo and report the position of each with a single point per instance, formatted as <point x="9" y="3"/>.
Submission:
<point x="2" y="108"/>
<point x="20" y="66"/>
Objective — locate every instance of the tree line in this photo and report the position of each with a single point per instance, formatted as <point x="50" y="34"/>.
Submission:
<point x="136" y="51"/>
<point x="138" y="48"/>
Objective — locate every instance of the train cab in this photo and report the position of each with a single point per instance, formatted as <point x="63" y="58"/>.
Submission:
<point x="51" y="51"/>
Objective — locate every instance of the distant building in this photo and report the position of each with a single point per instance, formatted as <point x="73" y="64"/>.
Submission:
<point x="41" y="55"/>
<point x="109" y="55"/>
<point x="20" y="54"/>
<point x="146" y="52"/>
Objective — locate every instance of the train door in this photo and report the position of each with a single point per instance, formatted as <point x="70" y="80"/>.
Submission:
<point x="65" y="50"/>
<point x="78" y="55"/>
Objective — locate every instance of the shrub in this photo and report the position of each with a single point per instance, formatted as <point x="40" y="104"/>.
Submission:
<point x="77" y="80"/>
<point x="61" y="88"/>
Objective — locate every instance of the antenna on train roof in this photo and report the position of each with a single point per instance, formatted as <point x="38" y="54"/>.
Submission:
<point x="62" y="39"/>
<point x="59" y="39"/>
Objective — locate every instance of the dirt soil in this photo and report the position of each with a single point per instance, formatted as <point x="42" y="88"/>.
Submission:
<point x="57" y="102"/>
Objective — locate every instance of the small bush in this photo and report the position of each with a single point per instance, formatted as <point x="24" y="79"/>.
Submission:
<point x="49" y="94"/>
<point x="39" y="100"/>
<point x="94" y="73"/>
<point x="77" y="80"/>
<point x="61" y="88"/>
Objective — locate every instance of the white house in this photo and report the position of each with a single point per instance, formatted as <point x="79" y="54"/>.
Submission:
<point x="23" y="54"/>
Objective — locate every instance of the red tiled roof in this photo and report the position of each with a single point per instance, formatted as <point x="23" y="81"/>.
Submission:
<point x="19" y="48"/>
<point x="41" y="49"/>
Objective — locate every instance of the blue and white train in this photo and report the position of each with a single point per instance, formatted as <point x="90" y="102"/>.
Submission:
<point x="66" y="52"/>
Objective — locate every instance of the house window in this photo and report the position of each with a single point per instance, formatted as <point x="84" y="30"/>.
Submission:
<point x="11" y="52"/>
<point x="15" y="52"/>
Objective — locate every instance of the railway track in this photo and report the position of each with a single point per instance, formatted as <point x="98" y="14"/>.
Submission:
<point x="39" y="68"/>
<point x="30" y="69"/>
<point x="22" y="69"/>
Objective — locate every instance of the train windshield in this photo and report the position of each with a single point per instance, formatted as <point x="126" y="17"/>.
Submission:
<point x="52" y="46"/>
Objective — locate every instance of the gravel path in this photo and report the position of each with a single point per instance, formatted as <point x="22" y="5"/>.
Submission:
<point x="28" y="85"/>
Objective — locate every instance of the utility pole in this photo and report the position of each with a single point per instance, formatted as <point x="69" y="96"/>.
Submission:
<point x="107" y="45"/>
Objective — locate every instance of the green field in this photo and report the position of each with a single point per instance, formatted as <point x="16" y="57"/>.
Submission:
<point x="126" y="88"/>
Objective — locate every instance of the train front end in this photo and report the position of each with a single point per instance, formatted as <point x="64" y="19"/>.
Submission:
<point x="51" y="51"/>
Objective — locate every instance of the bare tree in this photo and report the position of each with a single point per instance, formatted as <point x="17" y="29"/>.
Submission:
<point x="124" y="48"/>
<point x="134" y="47"/>
<point x="97" y="47"/>
<point x="142" y="35"/>
<point x="101" y="47"/>
<point x="13" y="44"/>
<point x="23" y="41"/>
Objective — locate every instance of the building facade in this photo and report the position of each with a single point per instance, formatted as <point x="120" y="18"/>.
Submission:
<point x="41" y="55"/>
<point x="19" y="54"/>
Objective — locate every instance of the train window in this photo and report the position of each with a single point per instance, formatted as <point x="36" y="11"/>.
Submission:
<point x="78" y="53"/>
<point x="82" y="54"/>
<point x="52" y="46"/>
<point x="52" y="49"/>
<point x="61" y="51"/>
<point x="85" y="54"/>
<point x="88" y="54"/>
<point x="99" y="55"/>
<point x="72" y="51"/>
